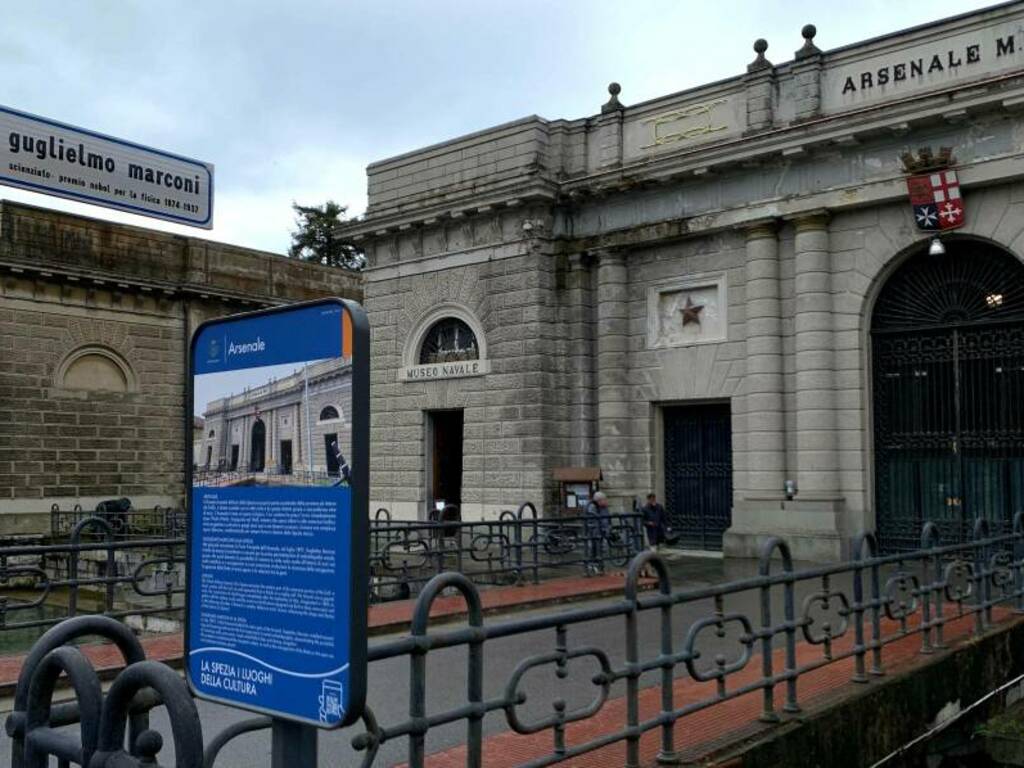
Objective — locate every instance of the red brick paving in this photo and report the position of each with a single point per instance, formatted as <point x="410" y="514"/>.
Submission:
<point x="697" y="734"/>
<point x="383" y="618"/>
<point x="701" y="732"/>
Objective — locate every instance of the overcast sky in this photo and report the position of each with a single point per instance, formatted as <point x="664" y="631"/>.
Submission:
<point x="290" y="101"/>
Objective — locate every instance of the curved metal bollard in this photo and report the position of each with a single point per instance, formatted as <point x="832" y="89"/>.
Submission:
<point x="35" y="724"/>
<point x="181" y="711"/>
<point x="418" y="668"/>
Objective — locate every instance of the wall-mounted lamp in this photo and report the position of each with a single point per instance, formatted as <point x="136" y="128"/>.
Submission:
<point x="791" y="490"/>
<point x="936" y="248"/>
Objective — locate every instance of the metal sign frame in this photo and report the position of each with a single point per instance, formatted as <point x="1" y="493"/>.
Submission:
<point x="359" y="524"/>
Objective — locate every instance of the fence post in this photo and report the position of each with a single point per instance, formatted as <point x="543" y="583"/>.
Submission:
<point x="1017" y="558"/>
<point x="932" y="591"/>
<point x="638" y="565"/>
<point x="982" y="582"/>
<point x="418" y="669"/>
<point x="767" y="630"/>
<point x="868" y="542"/>
<point x="75" y="541"/>
<point x="535" y="538"/>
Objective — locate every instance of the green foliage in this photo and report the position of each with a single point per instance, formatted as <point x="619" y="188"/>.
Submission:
<point x="316" y="238"/>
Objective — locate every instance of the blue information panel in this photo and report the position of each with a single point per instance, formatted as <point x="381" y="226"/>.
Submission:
<point x="276" y="618"/>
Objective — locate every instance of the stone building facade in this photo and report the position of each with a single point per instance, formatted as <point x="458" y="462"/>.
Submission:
<point x="682" y="293"/>
<point x="292" y="424"/>
<point x="95" y="320"/>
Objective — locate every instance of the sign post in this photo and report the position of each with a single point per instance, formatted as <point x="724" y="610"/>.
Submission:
<point x="277" y="527"/>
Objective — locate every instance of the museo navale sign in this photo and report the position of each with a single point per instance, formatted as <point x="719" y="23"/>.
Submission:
<point x="54" y="158"/>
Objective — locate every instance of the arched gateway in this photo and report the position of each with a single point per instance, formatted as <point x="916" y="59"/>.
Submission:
<point x="948" y="379"/>
<point x="258" y="452"/>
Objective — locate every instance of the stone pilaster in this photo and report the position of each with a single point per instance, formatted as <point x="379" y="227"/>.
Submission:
<point x="272" y="450"/>
<point x="817" y="455"/>
<point x="582" y="332"/>
<point x="243" y="445"/>
<point x="765" y="420"/>
<point x="613" y="417"/>
<point x="812" y="522"/>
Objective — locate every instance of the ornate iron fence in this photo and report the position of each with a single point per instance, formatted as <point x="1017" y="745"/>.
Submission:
<point x="886" y="599"/>
<point x="518" y="547"/>
<point x="118" y="576"/>
<point x="276" y="475"/>
<point x="108" y="565"/>
<point x="158" y="522"/>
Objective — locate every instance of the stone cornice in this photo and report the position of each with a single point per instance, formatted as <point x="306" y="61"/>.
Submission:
<point x="799" y="140"/>
<point x="893" y="118"/>
<point x="979" y="174"/>
<point x="40" y="243"/>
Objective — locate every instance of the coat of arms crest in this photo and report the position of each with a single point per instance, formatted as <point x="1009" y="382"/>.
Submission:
<point x="934" y="194"/>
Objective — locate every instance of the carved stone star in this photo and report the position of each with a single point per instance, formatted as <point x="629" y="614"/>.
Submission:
<point x="691" y="312"/>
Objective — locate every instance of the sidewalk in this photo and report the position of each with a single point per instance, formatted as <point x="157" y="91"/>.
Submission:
<point x="384" y="618"/>
<point x="724" y="723"/>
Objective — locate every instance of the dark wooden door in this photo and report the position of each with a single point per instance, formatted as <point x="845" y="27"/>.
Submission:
<point x="446" y="456"/>
<point x="698" y="473"/>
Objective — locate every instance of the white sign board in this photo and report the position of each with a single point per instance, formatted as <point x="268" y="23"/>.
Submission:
<point x="56" y="159"/>
<point x="453" y="370"/>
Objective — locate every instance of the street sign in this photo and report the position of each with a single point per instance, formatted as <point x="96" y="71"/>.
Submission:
<point x="54" y="158"/>
<point x="278" y="440"/>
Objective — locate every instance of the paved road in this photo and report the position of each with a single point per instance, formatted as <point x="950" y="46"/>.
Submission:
<point x="446" y="673"/>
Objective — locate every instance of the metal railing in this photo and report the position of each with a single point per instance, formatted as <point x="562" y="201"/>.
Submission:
<point x="118" y="576"/>
<point x="850" y="611"/>
<point x="277" y="475"/>
<point x="516" y="548"/>
<point x="130" y="563"/>
<point x="129" y="523"/>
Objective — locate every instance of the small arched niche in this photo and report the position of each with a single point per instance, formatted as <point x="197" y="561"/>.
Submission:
<point x="96" y="369"/>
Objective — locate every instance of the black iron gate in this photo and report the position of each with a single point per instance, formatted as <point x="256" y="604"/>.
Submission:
<point x="948" y="373"/>
<point x="698" y="473"/>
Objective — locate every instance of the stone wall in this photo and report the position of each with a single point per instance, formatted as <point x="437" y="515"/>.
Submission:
<point x="507" y="412"/>
<point x="94" y="322"/>
<point x="69" y="445"/>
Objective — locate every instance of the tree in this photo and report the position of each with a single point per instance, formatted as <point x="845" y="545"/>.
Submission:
<point x="316" y="238"/>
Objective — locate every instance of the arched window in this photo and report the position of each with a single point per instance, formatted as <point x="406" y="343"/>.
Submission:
<point x="329" y="413"/>
<point x="95" y="368"/>
<point x="449" y="340"/>
<point x="211" y="433"/>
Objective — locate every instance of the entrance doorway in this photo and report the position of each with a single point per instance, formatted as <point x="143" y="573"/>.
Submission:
<point x="698" y="472"/>
<point x="258" y="454"/>
<point x="234" y="457"/>
<point x="444" y="457"/>
<point x="331" y="454"/>
<point x="947" y="347"/>
<point x="286" y="457"/>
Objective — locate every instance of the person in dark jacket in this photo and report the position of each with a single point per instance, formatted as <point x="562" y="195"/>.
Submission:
<point x="597" y="525"/>
<point x="654" y="521"/>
